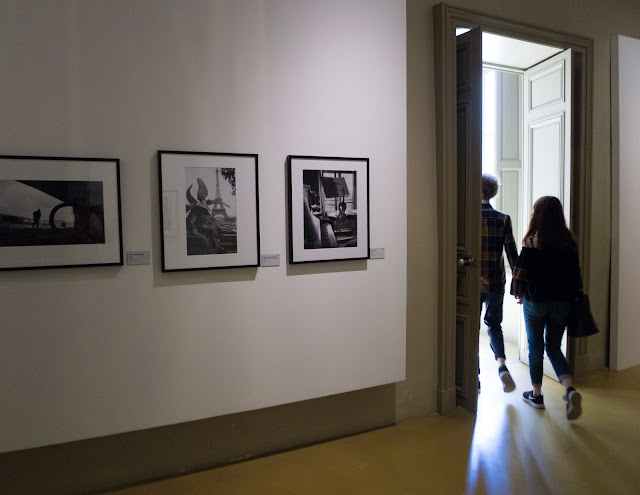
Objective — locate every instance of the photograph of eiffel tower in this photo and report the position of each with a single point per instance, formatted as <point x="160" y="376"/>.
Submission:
<point x="211" y="218"/>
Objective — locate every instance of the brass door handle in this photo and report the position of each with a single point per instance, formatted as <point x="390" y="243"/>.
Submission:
<point x="466" y="262"/>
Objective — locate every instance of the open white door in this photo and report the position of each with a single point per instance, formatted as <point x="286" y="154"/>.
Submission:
<point x="546" y="149"/>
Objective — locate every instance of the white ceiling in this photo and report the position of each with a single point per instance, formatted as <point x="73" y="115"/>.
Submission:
<point x="510" y="52"/>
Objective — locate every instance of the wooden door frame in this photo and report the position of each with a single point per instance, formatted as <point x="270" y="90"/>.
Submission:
<point x="446" y="18"/>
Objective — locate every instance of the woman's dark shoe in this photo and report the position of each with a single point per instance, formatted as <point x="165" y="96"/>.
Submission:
<point x="574" y="403"/>
<point x="507" y="382"/>
<point x="535" y="401"/>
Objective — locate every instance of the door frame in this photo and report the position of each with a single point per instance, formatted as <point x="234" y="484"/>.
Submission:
<point x="445" y="19"/>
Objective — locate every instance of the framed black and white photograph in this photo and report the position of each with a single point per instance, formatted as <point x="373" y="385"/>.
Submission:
<point x="328" y="208"/>
<point x="209" y="210"/>
<point x="58" y="212"/>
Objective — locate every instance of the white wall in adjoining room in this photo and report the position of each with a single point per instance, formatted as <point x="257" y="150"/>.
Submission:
<point x="625" y="119"/>
<point x="86" y="352"/>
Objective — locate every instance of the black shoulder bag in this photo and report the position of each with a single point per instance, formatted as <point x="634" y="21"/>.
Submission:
<point x="581" y="322"/>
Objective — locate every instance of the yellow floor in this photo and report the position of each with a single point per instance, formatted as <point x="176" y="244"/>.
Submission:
<point x="508" y="448"/>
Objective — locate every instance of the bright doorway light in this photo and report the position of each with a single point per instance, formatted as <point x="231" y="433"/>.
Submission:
<point x="489" y="122"/>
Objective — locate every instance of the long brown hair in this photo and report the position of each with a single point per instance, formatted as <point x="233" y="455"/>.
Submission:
<point x="548" y="224"/>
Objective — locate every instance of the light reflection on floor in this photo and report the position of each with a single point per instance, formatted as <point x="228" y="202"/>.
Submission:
<point x="488" y="467"/>
<point x="518" y="449"/>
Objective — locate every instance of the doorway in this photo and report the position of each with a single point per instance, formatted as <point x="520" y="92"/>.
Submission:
<point x="526" y="131"/>
<point x="457" y="337"/>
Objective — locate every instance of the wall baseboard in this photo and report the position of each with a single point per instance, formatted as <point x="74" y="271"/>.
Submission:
<point x="581" y="365"/>
<point x="127" y="459"/>
<point x="446" y="400"/>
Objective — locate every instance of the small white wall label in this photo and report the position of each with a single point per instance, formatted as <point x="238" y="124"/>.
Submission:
<point x="376" y="253"/>
<point x="270" y="260"/>
<point x="138" y="257"/>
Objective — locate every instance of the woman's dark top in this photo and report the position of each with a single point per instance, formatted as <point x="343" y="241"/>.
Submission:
<point x="543" y="275"/>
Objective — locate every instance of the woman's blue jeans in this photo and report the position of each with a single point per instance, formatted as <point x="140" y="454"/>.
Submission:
<point x="553" y="316"/>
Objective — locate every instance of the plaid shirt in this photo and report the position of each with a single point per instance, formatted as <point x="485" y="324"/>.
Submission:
<point x="496" y="235"/>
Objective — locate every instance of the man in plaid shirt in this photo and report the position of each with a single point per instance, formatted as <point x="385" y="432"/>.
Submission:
<point x="497" y="235"/>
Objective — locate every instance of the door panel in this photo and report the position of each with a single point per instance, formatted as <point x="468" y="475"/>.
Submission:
<point x="547" y="156"/>
<point x="547" y="136"/>
<point x="510" y="202"/>
<point x="547" y="149"/>
<point x="509" y="136"/>
<point x="462" y="325"/>
<point x="463" y="121"/>
<point x="546" y="87"/>
<point x="469" y="172"/>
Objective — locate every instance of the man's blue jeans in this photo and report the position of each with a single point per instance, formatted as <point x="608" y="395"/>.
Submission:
<point x="493" y="320"/>
<point x="553" y="316"/>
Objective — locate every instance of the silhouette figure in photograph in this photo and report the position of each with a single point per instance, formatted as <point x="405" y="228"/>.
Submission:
<point x="36" y="219"/>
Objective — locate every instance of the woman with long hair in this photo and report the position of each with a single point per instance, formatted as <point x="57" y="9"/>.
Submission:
<point x="546" y="280"/>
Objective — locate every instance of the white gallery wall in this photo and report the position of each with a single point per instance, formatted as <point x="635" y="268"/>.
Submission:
<point x="625" y="146"/>
<point x="86" y="352"/>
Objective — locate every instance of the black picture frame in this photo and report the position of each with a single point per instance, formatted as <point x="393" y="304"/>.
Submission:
<point x="209" y="214"/>
<point x="59" y="212"/>
<point x="328" y="208"/>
